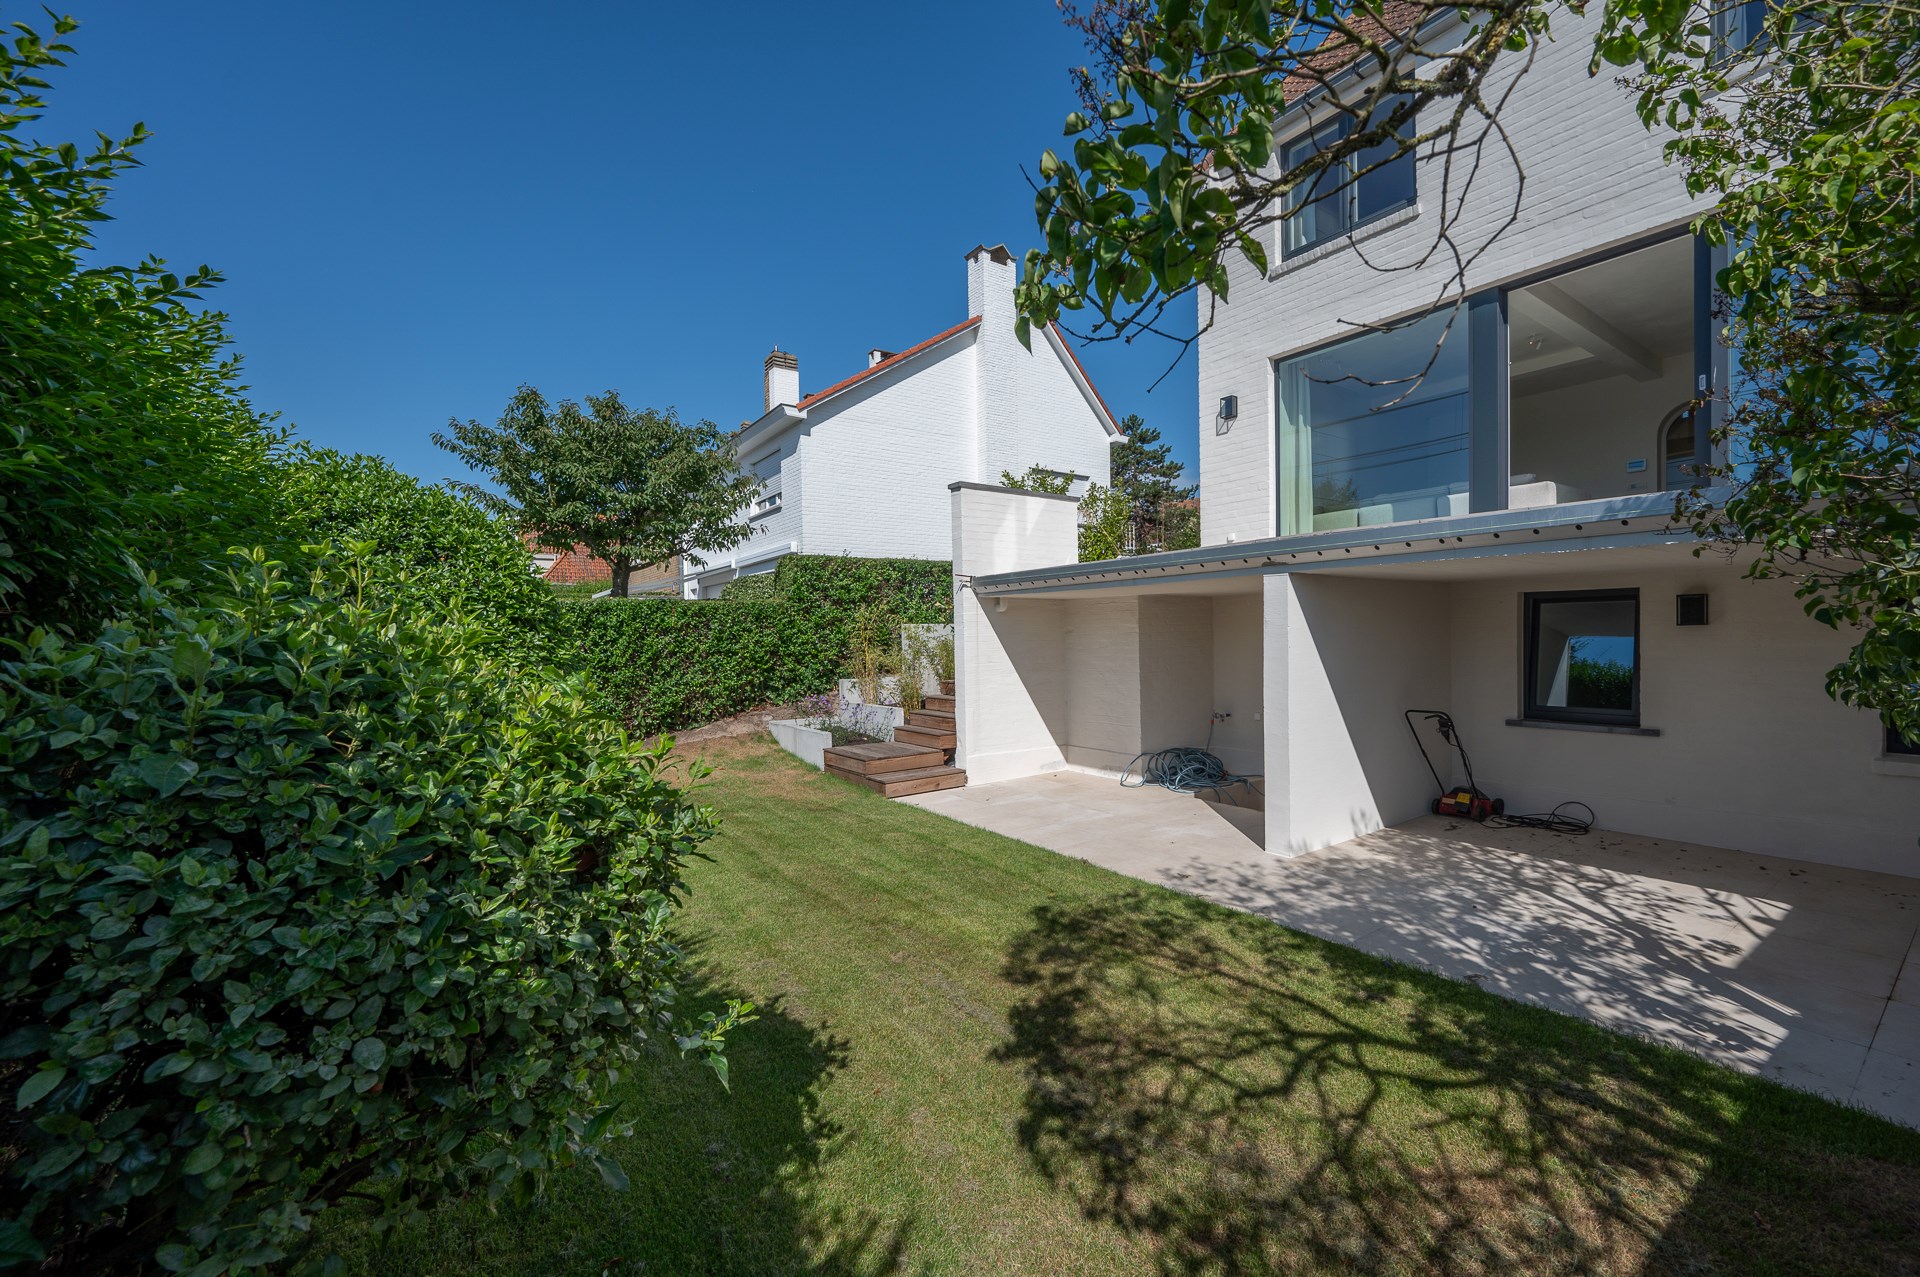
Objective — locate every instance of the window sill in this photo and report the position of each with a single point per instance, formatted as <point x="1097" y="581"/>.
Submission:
<point x="1385" y="222"/>
<point x="1895" y="765"/>
<point x="1611" y="729"/>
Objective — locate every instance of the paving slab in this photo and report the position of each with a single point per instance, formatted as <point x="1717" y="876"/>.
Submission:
<point x="1802" y="972"/>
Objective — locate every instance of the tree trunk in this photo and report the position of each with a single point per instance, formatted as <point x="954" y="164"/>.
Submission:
<point x="622" y="573"/>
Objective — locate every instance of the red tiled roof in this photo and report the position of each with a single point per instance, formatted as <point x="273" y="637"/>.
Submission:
<point x="935" y="340"/>
<point x="888" y="362"/>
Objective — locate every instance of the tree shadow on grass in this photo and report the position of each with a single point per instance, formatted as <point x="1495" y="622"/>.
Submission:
<point x="722" y="1182"/>
<point x="1255" y="1101"/>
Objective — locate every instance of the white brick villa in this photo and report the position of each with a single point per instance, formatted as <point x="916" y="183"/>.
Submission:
<point x="862" y="467"/>
<point x="1497" y="543"/>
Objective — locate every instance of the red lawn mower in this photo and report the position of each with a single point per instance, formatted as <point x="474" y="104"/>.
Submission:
<point x="1468" y="800"/>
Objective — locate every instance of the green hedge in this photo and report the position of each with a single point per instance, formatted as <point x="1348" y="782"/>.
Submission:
<point x="664" y="664"/>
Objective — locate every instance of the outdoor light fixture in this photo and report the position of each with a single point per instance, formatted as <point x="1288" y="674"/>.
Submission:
<point x="1229" y="407"/>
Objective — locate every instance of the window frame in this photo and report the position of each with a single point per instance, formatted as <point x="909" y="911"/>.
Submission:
<point x="1893" y="745"/>
<point x="1530" y="659"/>
<point x="1347" y="185"/>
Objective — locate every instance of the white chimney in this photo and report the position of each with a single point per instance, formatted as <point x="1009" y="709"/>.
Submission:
<point x="990" y="284"/>
<point x="875" y="355"/>
<point x="783" y="379"/>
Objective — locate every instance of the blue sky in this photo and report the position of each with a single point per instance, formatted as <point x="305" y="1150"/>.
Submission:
<point x="420" y="206"/>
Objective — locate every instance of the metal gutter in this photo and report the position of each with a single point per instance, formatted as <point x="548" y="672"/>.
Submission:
<point x="1645" y="518"/>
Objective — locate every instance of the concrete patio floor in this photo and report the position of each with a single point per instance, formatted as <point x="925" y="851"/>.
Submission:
<point x="1802" y="972"/>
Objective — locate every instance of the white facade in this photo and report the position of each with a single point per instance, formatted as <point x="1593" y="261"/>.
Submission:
<point x="863" y="467"/>
<point x="1360" y="562"/>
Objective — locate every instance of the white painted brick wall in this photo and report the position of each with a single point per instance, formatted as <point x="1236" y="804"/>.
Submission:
<point x="1594" y="178"/>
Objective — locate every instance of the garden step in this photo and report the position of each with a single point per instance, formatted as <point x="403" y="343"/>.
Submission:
<point x="942" y="703"/>
<point x="875" y="758"/>
<point x="916" y="780"/>
<point x="939" y="738"/>
<point x="940" y="719"/>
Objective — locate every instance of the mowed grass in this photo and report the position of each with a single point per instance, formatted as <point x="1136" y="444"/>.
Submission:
<point x="974" y="1056"/>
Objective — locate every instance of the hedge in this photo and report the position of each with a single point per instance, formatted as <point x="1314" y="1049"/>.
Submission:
<point x="665" y="664"/>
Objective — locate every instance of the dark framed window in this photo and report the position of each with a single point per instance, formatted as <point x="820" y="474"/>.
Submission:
<point x="1739" y="27"/>
<point x="1346" y="196"/>
<point x="1583" y="657"/>
<point x="1898" y="745"/>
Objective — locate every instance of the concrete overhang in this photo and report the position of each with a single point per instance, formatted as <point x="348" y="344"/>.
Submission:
<point x="1641" y="521"/>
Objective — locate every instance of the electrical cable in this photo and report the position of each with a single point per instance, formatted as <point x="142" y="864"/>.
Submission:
<point x="1551" y="821"/>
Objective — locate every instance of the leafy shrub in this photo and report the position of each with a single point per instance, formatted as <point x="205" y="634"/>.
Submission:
<point x="838" y="587"/>
<point x="663" y="664"/>
<point x="298" y="898"/>
<point x="761" y="587"/>
<point x="432" y="551"/>
<point x="122" y="427"/>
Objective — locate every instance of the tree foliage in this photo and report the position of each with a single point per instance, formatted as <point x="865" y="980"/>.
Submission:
<point x="300" y="899"/>
<point x="636" y="487"/>
<point x="1172" y="170"/>
<point x="123" y="430"/>
<point x="1809" y="141"/>
<point x="1144" y="469"/>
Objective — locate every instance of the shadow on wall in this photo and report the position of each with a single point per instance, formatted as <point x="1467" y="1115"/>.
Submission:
<point x="1382" y="647"/>
<point x="1033" y="634"/>
<point x="716" y="1187"/>
<point x="1258" y="1102"/>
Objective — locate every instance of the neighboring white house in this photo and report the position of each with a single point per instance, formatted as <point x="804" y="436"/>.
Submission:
<point x="1495" y="542"/>
<point x="862" y="467"/>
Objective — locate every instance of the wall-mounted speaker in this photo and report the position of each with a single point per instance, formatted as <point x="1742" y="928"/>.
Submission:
<point x="1689" y="609"/>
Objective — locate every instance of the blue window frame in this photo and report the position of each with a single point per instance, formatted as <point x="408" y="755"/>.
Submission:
<point x="1345" y="196"/>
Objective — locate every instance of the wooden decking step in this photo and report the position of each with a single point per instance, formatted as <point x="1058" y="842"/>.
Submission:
<point x="941" y="719"/>
<point x="926" y="737"/>
<point x="914" y="780"/>
<point x="876" y="758"/>
<point x="944" y="703"/>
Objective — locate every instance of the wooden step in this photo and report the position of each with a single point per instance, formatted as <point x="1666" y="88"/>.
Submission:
<point x="938" y="719"/>
<point x="926" y="737"/>
<point x="917" y="780"/>
<point x="943" y="703"/>
<point x="876" y="758"/>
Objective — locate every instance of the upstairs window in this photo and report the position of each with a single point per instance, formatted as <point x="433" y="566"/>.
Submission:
<point x="1739" y="28"/>
<point x="1345" y="196"/>
<point x="1678" y="449"/>
<point x="767" y="471"/>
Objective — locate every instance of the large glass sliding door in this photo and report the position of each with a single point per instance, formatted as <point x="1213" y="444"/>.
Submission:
<point x="1374" y="429"/>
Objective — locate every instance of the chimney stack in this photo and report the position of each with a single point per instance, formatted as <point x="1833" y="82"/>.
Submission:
<point x="990" y="278"/>
<point x="783" y="379"/>
<point x="875" y="355"/>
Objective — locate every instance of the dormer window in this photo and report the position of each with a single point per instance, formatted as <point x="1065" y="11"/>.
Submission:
<point x="1739" y="28"/>
<point x="1345" y="196"/>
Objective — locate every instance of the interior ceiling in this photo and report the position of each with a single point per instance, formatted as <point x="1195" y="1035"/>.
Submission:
<point x="1645" y="297"/>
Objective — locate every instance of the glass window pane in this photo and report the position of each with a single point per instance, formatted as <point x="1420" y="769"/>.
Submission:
<point x="1583" y="655"/>
<point x="1371" y="432"/>
<point x="1679" y="453"/>
<point x="1390" y="185"/>
<point x="1316" y="210"/>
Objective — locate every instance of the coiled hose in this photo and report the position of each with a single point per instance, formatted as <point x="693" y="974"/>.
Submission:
<point x="1184" y="770"/>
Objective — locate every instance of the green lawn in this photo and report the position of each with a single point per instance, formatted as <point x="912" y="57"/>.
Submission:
<point x="977" y="1057"/>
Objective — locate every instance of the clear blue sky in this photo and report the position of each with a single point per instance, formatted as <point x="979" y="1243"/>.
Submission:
<point x="420" y="206"/>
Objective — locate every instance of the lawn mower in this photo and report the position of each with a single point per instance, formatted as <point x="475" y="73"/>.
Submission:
<point x="1468" y="800"/>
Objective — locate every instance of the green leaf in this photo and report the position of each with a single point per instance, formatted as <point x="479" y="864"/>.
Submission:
<point x="203" y="1159"/>
<point x="167" y="772"/>
<point x="36" y="1087"/>
<point x="174" y="1257"/>
<point x="370" y="1054"/>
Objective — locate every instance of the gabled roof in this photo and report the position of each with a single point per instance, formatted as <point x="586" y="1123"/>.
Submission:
<point x="807" y="401"/>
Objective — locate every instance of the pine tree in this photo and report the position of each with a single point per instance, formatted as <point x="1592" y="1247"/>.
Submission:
<point x="1144" y="470"/>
